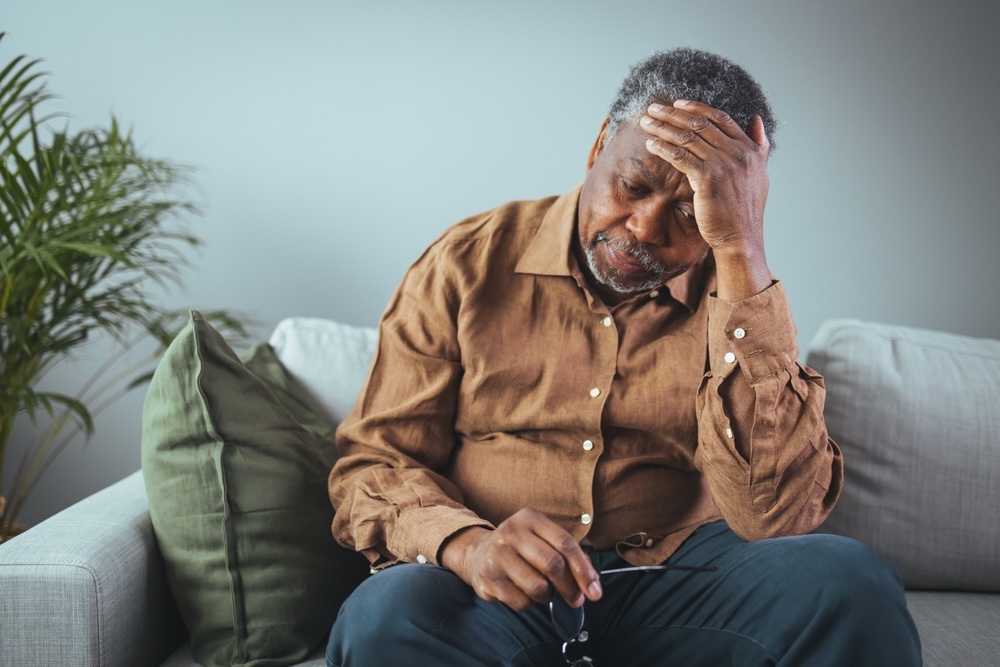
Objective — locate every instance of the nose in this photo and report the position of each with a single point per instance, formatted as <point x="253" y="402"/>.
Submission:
<point x="648" y="223"/>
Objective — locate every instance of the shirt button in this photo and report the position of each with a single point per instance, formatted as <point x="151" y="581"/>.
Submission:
<point x="655" y="293"/>
<point x="585" y="519"/>
<point x="421" y="559"/>
<point x="730" y="357"/>
<point x="588" y="445"/>
<point x="606" y="321"/>
<point x="740" y="333"/>
<point x="595" y="392"/>
<point x="649" y="542"/>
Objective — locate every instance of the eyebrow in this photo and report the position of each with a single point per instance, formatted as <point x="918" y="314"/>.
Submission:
<point x="642" y="168"/>
<point x="652" y="178"/>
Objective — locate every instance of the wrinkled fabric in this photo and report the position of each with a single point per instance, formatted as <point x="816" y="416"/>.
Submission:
<point x="501" y="381"/>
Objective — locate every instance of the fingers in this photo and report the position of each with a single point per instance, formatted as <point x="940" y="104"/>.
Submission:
<point x="678" y="128"/>
<point x="528" y="558"/>
<point x="508" y="574"/>
<point x="702" y="142"/>
<point x="712" y="125"/>
<point x="572" y="573"/>
<point x="693" y="130"/>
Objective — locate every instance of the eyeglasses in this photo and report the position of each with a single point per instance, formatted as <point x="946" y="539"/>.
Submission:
<point x="568" y="621"/>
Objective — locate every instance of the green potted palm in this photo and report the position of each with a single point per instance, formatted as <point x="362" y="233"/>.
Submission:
<point x="87" y="225"/>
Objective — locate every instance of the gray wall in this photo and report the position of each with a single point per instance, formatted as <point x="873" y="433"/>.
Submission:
<point x="334" y="140"/>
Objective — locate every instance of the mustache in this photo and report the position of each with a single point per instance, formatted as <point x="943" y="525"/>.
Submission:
<point x="629" y="247"/>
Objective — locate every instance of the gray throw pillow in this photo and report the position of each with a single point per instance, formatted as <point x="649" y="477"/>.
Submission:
<point x="917" y="414"/>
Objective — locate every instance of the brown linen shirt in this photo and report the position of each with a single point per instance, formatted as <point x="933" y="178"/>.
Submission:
<point x="501" y="381"/>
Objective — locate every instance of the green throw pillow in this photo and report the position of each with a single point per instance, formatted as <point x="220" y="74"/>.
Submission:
<point x="235" y="466"/>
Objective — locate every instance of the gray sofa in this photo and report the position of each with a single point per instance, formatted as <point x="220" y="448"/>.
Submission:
<point x="915" y="412"/>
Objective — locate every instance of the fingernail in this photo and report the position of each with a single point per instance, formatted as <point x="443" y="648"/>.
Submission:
<point x="646" y="120"/>
<point x="594" y="589"/>
<point x="681" y="103"/>
<point x="650" y="143"/>
<point x="656" y="108"/>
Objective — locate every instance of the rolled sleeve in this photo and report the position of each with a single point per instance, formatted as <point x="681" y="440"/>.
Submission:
<point x="762" y="441"/>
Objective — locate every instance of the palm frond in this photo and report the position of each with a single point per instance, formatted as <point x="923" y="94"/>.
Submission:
<point x="87" y="224"/>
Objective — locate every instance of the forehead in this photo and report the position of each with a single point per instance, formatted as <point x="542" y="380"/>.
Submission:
<point x="626" y="155"/>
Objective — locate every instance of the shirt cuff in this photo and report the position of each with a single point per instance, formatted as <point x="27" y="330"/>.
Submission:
<point x="756" y="334"/>
<point x="420" y="533"/>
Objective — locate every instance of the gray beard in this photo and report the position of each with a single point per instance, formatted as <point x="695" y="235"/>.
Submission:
<point x="633" y="250"/>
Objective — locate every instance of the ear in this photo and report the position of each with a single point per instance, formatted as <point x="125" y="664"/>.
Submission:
<point x="757" y="133"/>
<point x="595" y="150"/>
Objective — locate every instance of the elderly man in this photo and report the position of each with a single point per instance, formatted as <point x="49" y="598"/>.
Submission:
<point x="567" y="388"/>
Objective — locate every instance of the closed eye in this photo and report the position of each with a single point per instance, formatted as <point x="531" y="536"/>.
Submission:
<point x="633" y="187"/>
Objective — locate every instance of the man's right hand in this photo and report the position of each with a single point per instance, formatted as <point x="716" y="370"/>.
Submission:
<point x="523" y="561"/>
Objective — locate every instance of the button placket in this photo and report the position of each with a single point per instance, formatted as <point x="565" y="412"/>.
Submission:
<point x="609" y="345"/>
<point x="595" y="392"/>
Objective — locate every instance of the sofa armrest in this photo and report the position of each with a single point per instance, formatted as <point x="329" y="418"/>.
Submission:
<point x="87" y="587"/>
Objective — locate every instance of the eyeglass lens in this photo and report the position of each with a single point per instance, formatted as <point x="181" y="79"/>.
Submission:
<point x="568" y="621"/>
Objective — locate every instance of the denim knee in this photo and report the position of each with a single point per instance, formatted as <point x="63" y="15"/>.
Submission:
<point x="382" y="603"/>
<point x="406" y="614"/>
<point x="852" y="567"/>
<point x="860" y="596"/>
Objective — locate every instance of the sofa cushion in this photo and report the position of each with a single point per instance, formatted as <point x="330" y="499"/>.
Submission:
<point x="956" y="629"/>
<point x="235" y="464"/>
<point x="327" y="361"/>
<point x="916" y="415"/>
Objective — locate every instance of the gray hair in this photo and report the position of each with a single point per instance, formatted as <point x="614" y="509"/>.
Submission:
<point x="690" y="74"/>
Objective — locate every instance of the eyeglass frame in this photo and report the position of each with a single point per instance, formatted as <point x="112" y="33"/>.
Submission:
<point x="582" y="635"/>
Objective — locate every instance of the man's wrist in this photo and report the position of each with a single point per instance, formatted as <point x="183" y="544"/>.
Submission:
<point x="741" y="272"/>
<point x="455" y="550"/>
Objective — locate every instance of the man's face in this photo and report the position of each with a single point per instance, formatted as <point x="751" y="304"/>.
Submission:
<point x="636" y="220"/>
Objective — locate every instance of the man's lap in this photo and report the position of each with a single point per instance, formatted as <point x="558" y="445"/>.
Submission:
<point x="766" y="599"/>
<point x="787" y="599"/>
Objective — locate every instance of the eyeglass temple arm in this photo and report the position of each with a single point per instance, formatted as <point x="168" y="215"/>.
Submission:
<point x="633" y="568"/>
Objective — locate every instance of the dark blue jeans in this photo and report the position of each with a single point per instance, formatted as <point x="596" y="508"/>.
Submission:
<point x="807" y="600"/>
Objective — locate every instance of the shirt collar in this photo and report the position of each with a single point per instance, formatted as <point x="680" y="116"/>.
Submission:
<point x="550" y="253"/>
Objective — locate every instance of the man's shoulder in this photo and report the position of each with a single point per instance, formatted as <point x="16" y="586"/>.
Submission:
<point x="519" y="217"/>
<point x="487" y="246"/>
